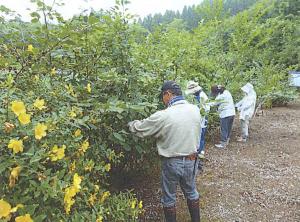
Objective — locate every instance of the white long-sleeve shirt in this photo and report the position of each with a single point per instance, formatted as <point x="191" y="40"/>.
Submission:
<point x="247" y="105"/>
<point x="225" y="104"/>
<point x="202" y="99"/>
<point x="176" y="129"/>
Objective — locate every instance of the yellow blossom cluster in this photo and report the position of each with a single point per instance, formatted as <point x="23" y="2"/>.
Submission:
<point x="6" y="210"/>
<point x="70" y="193"/>
<point x="104" y="196"/>
<point x="57" y="153"/>
<point x="84" y="146"/>
<point x="19" y="109"/>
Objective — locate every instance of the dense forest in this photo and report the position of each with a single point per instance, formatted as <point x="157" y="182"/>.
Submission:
<point x="192" y="15"/>
<point x="69" y="88"/>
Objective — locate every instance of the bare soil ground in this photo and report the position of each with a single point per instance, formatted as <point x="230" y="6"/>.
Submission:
<point x="254" y="181"/>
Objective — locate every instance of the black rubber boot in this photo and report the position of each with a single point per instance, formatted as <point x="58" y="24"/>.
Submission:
<point x="194" y="209"/>
<point x="170" y="214"/>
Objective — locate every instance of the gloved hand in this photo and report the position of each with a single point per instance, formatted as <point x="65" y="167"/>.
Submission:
<point x="130" y="126"/>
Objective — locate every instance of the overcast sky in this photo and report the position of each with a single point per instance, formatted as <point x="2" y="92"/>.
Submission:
<point x="139" y="7"/>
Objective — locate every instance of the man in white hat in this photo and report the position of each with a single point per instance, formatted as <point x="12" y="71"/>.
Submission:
<point x="246" y="107"/>
<point x="193" y="88"/>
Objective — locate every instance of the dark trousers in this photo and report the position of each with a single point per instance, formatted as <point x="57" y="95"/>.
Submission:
<point x="226" y="126"/>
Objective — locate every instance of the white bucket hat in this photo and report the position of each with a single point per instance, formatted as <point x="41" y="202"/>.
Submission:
<point x="192" y="87"/>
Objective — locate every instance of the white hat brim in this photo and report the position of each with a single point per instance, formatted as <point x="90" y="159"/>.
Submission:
<point x="193" y="90"/>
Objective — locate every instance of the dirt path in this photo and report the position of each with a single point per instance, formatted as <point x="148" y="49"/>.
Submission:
<point x="256" y="181"/>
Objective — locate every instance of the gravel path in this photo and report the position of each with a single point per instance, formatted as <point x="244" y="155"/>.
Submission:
<point x="254" y="181"/>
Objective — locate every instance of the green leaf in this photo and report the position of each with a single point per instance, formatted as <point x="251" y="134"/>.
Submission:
<point x="119" y="137"/>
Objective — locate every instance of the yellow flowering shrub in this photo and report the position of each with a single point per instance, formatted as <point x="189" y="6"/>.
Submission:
<point x="63" y="114"/>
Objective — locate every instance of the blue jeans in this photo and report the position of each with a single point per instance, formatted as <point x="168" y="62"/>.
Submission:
<point x="176" y="171"/>
<point x="202" y="140"/>
<point x="226" y="127"/>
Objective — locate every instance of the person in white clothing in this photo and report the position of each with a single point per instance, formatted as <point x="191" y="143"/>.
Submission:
<point x="226" y="112"/>
<point x="193" y="88"/>
<point x="246" y="108"/>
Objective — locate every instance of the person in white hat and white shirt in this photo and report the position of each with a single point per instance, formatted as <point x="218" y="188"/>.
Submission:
<point x="246" y="108"/>
<point x="193" y="88"/>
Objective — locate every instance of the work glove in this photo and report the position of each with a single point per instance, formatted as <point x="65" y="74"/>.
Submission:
<point x="131" y="126"/>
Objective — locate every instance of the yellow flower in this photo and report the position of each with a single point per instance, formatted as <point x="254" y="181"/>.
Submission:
<point x="77" y="133"/>
<point x="40" y="131"/>
<point x="4" y="208"/>
<point x="14" y="174"/>
<point x="92" y="199"/>
<point x="24" y="118"/>
<point x="53" y="71"/>
<point x="18" y="107"/>
<point x="13" y="210"/>
<point x="30" y="48"/>
<point x="105" y="195"/>
<point x="70" y="192"/>
<point x="99" y="219"/>
<point x="133" y="204"/>
<point x="16" y="145"/>
<point x="8" y="127"/>
<point x="25" y="218"/>
<point x="140" y="204"/>
<point x="25" y="138"/>
<point x="88" y="88"/>
<point x="107" y="167"/>
<point x="72" y="114"/>
<point x="88" y="168"/>
<point x="70" y="90"/>
<point x="76" y="182"/>
<point x="84" y="146"/>
<point x="68" y="205"/>
<point x="97" y="188"/>
<point x="57" y="153"/>
<point x="39" y="103"/>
